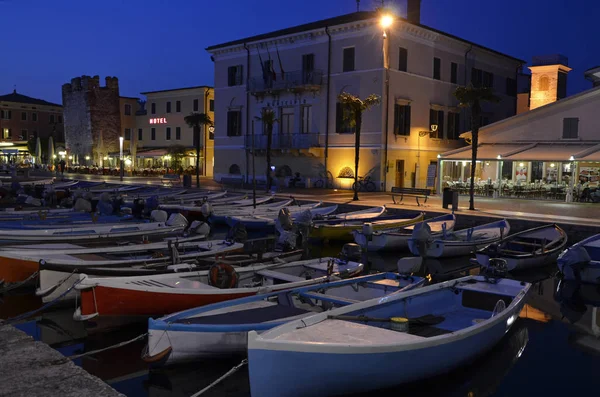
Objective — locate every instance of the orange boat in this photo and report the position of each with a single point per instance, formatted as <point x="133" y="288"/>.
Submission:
<point x="168" y="293"/>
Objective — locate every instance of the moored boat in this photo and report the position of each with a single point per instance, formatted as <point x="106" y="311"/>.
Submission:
<point x="423" y="332"/>
<point x="157" y="295"/>
<point x="221" y="328"/>
<point x="456" y="243"/>
<point x="530" y="248"/>
<point x="581" y="261"/>
<point x="341" y="230"/>
<point x="397" y="238"/>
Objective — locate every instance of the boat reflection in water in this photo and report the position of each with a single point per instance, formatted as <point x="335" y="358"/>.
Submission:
<point x="579" y="304"/>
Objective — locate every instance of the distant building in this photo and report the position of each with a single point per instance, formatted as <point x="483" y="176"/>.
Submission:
<point x="162" y="126"/>
<point x="298" y="72"/>
<point x="92" y="116"/>
<point x="23" y="118"/>
<point x="129" y="107"/>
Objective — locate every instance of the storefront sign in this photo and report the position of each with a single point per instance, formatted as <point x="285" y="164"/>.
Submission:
<point x="431" y="173"/>
<point x="160" y="120"/>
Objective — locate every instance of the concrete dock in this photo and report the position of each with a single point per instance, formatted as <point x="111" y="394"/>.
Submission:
<point x="31" y="368"/>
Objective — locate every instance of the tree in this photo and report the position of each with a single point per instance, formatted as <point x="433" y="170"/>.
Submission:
<point x="472" y="97"/>
<point x="195" y="121"/>
<point x="353" y="109"/>
<point x="177" y="152"/>
<point x="267" y="117"/>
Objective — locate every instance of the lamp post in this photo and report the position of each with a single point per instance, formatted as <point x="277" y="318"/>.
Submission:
<point x="385" y="22"/>
<point x="121" y="157"/>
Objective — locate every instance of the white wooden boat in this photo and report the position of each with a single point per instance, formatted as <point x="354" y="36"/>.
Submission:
<point x="397" y="238"/>
<point x="530" y="248"/>
<point x="581" y="261"/>
<point x="157" y="295"/>
<point x="459" y="242"/>
<point x="59" y="271"/>
<point x="388" y="341"/>
<point x="221" y="329"/>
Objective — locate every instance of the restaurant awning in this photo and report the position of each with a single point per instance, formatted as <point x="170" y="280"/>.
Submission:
<point x="485" y="152"/>
<point x="550" y="152"/>
<point x="593" y="154"/>
<point x="152" y="153"/>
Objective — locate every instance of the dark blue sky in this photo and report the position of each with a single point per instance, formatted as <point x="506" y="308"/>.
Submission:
<point x="159" y="44"/>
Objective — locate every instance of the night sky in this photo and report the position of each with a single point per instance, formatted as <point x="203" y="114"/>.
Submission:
<point x="159" y="44"/>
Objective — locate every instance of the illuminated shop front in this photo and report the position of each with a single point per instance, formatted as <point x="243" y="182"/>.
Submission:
<point x="533" y="170"/>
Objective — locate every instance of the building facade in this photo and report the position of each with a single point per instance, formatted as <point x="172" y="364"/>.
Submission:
<point x="162" y="127"/>
<point x="23" y="118"/>
<point x="538" y="153"/>
<point x="299" y="72"/>
<point x="92" y="118"/>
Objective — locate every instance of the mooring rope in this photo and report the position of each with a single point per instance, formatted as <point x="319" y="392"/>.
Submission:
<point x="229" y="373"/>
<point x="120" y="344"/>
<point x="10" y="287"/>
<point x="43" y="307"/>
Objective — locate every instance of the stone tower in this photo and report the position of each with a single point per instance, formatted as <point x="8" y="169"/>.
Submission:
<point x="91" y="117"/>
<point x="548" y="79"/>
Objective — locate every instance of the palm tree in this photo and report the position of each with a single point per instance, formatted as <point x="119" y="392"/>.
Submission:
<point x="353" y="110"/>
<point x="267" y="117"/>
<point x="472" y="97"/>
<point x="195" y="121"/>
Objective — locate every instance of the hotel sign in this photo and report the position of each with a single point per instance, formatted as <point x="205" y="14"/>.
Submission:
<point x="161" y="120"/>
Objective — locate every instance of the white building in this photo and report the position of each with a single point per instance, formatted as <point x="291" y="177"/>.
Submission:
<point x="414" y="69"/>
<point x="163" y="125"/>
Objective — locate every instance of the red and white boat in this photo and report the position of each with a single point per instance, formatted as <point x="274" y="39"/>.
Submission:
<point x="128" y="297"/>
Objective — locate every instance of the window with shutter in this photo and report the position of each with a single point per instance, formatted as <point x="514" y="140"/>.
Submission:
<point x="403" y="60"/>
<point x="348" y="61"/>
<point x="177" y="133"/>
<point x="140" y="134"/>
<point x="168" y="134"/>
<point x="453" y="125"/>
<point x="437" y="66"/>
<point x="454" y="73"/>
<point x="488" y="79"/>
<point x="436" y="117"/>
<point x="178" y="106"/>
<point x="153" y="108"/>
<point x="402" y="119"/>
<point x="234" y="123"/>
<point x="211" y="105"/>
<point x="511" y="87"/>
<point x="476" y="77"/>
<point x="570" y="128"/>
<point x="342" y="120"/>
<point x="168" y="107"/>
<point x="153" y="134"/>
<point x="308" y="67"/>
<point x="195" y="105"/>
<point x="231" y="71"/>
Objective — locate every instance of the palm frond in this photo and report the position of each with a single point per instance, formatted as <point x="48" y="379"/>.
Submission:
<point x="198" y="119"/>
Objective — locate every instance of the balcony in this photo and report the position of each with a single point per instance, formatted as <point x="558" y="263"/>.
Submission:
<point x="284" y="141"/>
<point x="296" y="81"/>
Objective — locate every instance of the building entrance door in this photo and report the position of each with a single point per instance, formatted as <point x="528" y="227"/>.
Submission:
<point x="399" y="173"/>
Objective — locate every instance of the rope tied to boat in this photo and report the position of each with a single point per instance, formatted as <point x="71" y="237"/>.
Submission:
<point x="120" y="344"/>
<point x="227" y="374"/>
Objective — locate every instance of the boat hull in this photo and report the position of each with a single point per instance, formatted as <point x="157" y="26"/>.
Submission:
<point x="515" y="263"/>
<point x="343" y="232"/>
<point x="382" y="241"/>
<point x="274" y="373"/>
<point x="13" y="270"/>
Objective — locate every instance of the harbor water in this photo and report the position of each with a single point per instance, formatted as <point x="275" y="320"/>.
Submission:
<point x="552" y="350"/>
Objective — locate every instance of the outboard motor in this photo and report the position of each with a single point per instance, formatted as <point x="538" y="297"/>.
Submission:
<point x="175" y="220"/>
<point x="159" y="216"/>
<point x="351" y="252"/>
<point x="421" y="234"/>
<point x="138" y="208"/>
<point x="284" y="219"/>
<point x="200" y="228"/>
<point x="206" y="210"/>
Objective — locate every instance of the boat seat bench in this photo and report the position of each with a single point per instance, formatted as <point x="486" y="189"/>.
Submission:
<point x="410" y="191"/>
<point x="328" y="298"/>
<point x="279" y="276"/>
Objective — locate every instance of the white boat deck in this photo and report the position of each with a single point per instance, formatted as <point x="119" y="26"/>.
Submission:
<point x="347" y="333"/>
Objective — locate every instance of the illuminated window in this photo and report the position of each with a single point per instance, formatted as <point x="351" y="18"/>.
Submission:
<point x="6" y="133"/>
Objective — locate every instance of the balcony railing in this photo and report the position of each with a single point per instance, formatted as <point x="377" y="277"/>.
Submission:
<point x="299" y="80"/>
<point x="284" y="141"/>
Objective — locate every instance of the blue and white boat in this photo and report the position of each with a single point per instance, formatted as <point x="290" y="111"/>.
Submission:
<point x="386" y="341"/>
<point x="397" y="238"/>
<point x="581" y="261"/>
<point x="221" y="329"/>
<point x="456" y="243"/>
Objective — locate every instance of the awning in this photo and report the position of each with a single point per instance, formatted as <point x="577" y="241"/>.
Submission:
<point x="593" y="154"/>
<point x="152" y="153"/>
<point x="484" y="152"/>
<point x="550" y="152"/>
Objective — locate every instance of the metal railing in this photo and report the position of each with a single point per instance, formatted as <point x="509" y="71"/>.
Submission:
<point x="284" y="141"/>
<point x="299" y="79"/>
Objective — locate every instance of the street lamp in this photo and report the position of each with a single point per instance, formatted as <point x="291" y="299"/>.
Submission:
<point x="121" y="156"/>
<point x="385" y="22"/>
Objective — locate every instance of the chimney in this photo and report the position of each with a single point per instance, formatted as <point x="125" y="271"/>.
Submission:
<point x="593" y="75"/>
<point x="413" y="11"/>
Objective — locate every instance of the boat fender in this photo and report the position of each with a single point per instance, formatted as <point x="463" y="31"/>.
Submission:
<point x="222" y="276"/>
<point x="206" y="210"/>
<point x="159" y="215"/>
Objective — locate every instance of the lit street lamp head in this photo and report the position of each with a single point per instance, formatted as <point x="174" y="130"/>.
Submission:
<point x="386" y="21"/>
